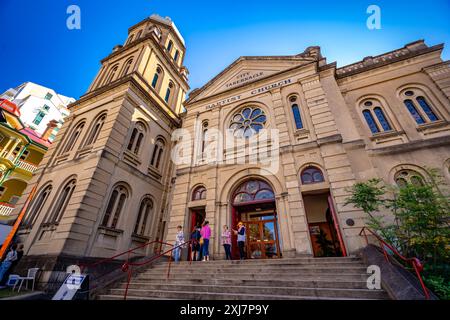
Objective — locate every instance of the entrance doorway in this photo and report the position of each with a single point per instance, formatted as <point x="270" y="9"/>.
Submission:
<point x="254" y="205"/>
<point x="198" y="216"/>
<point x="326" y="238"/>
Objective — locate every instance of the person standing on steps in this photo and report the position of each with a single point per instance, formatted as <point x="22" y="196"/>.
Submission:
<point x="241" y="237"/>
<point x="226" y="242"/>
<point x="179" y="240"/>
<point x="9" y="260"/>
<point x="195" y="245"/>
<point x="206" y="234"/>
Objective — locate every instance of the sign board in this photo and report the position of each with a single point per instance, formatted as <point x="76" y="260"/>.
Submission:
<point x="70" y="287"/>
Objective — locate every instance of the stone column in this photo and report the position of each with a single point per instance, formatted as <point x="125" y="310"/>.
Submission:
<point x="5" y="148"/>
<point x="16" y="143"/>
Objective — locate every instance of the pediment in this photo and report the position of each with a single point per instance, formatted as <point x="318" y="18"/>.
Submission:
<point x="246" y="70"/>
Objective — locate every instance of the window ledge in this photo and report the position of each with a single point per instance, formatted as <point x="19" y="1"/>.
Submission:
<point x="197" y="203"/>
<point x="63" y="157"/>
<point x="110" y="231"/>
<point x="49" y="226"/>
<point x="139" y="238"/>
<point x="84" y="151"/>
<point x="152" y="171"/>
<point x="432" y="125"/>
<point x="131" y="157"/>
<point x="301" y="132"/>
<point x="386" y="135"/>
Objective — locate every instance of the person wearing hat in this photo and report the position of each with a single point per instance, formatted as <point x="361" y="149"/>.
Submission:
<point x="241" y="239"/>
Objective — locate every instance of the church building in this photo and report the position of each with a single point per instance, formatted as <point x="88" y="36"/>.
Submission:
<point x="274" y="142"/>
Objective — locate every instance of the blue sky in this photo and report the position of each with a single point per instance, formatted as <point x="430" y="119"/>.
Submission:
<point x="36" y="45"/>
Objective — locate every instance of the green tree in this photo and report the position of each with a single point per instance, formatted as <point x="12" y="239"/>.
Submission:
<point x="420" y="226"/>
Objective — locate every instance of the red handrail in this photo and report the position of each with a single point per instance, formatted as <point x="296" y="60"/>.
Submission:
<point x="126" y="252"/>
<point x="415" y="262"/>
<point x="96" y="264"/>
<point x="128" y="266"/>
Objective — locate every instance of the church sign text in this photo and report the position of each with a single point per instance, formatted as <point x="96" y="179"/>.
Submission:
<point x="257" y="91"/>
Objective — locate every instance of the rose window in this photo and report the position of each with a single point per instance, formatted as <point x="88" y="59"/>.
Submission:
<point x="248" y="122"/>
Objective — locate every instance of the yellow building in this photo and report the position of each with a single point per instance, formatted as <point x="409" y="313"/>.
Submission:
<point x="21" y="151"/>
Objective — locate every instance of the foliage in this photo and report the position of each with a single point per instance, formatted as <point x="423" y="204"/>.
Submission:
<point x="326" y="246"/>
<point x="439" y="285"/>
<point x="420" y="225"/>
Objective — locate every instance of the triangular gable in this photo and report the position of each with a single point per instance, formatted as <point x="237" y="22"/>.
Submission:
<point x="246" y="70"/>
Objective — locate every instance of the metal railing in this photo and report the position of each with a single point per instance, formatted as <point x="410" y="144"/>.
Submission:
<point x="128" y="253"/>
<point x="414" y="262"/>
<point x="26" y="166"/>
<point x="128" y="266"/>
<point x="6" y="209"/>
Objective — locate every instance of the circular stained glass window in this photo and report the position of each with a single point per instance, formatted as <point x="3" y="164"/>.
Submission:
<point x="406" y="177"/>
<point x="248" y="122"/>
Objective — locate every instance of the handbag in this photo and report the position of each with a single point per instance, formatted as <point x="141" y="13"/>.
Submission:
<point x="201" y="241"/>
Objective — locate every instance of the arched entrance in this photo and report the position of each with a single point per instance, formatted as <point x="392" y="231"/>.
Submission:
<point x="253" y="203"/>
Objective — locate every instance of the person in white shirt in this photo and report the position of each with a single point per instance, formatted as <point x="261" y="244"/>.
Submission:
<point x="10" y="258"/>
<point x="179" y="240"/>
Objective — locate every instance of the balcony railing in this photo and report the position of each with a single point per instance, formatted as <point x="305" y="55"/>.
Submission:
<point x="6" y="209"/>
<point x="26" y="166"/>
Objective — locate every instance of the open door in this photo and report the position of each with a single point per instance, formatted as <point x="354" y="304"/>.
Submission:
<point x="326" y="238"/>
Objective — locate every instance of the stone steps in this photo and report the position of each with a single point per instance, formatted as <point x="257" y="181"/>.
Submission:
<point x="283" y="261"/>
<point x="145" y="288"/>
<point x="207" y="265"/>
<point x="302" y="278"/>
<point x="243" y="277"/>
<point x="192" y="295"/>
<point x="311" y="283"/>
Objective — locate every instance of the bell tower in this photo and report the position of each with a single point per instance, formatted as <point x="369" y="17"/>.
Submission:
<point x="103" y="186"/>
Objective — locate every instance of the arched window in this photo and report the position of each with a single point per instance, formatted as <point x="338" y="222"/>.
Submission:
<point x="62" y="201"/>
<point x="371" y="121"/>
<point x="169" y="92"/>
<point x="296" y="113"/>
<point x="96" y="129"/>
<point x="158" y="153"/>
<point x="115" y="207"/>
<point x="37" y="206"/>
<point x="170" y="46"/>
<point x="156" y="77"/>
<point x="144" y="216"/>
<point x="130" y="39"/>
<point x="73" y="138"/>
<point x="253" y="191"/>
<point x="204" y="135"/>
<point x="405" y="177"/>
<point x="312" y="175"/>
<point x="156" y="31"/>
<point x="176" y="56"/>
<point x="375" y="117"/>
<point x="138" y="34"/>
<point x="137" y="136"/>
<point x="248" y="122"/>
<point x="199" y="193"/>
<point x="127" y="67"/>
<point x="418" y="106"/>
<point x="112" y="74"/>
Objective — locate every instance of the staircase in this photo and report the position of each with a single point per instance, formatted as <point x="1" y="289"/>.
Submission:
<point x="279" y="279"/>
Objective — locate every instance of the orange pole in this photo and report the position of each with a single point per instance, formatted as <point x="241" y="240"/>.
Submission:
<point x="16" y="226"/>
